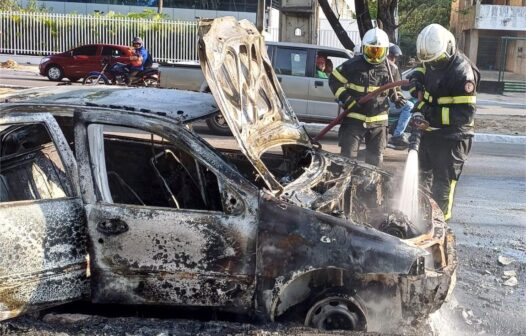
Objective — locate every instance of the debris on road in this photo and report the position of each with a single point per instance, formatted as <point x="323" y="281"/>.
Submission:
<point x="9" y="64"/>
<point x="509" y="274"/>
<point x="511" y="282"/>
<point x="505" y="261"/>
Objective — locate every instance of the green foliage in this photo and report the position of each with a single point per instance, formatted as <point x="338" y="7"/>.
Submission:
<point x="414" y="15"/>
<point x="14" y="6"/>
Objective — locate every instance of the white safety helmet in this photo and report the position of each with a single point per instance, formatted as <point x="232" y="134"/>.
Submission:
<point x="435" y="45"/>
<point x="375" y="46"/>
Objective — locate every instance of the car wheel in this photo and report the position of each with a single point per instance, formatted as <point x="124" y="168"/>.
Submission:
<point x="336" y="312"/>
<point x="54" y="73"/>
<point x="94" y="80"/>
<point x="218" y="124"/>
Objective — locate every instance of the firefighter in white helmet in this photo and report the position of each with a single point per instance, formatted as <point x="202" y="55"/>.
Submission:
<point x="448" y="83"/>
<point x="351" y="81"/>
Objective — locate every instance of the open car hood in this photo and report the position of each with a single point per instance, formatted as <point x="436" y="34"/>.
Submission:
<point x="183" y="106"/>
<point x="239" y="73"/>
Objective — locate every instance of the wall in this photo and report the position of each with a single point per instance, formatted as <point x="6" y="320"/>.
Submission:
<point x="516" y="59"/>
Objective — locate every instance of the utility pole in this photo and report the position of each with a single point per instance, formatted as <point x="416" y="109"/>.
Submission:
<point x="260" y="16"/>
<point x="299" y="21"/>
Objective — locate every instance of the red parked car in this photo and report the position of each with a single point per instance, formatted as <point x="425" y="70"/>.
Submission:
<point x="76" y="63"/>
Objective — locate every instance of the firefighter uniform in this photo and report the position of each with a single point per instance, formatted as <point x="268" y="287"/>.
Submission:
<point x="349" y="82"/>
<point x="449" y="98"/>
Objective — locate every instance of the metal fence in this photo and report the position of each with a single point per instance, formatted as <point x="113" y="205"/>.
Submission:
<point x="47" y="33"/>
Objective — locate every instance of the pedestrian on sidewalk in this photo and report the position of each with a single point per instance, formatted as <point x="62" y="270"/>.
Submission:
<point x="448" y="81"/>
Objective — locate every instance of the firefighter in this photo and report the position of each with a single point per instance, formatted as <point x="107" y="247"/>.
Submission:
<point x="448" y="83"/>
<point x="351" y="81"/>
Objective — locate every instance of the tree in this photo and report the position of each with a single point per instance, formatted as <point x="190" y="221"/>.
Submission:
<point x="363" y="16"/>
<point x="160" y="4"/>
<point x="345" y="40"/>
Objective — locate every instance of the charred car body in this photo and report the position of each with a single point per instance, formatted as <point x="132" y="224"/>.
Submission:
<point x="277" y="229"/>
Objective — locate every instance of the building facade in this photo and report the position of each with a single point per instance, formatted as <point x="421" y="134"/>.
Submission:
<point x="492" y="33"/>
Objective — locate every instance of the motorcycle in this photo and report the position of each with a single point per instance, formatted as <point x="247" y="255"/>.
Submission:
<point x="117" y="73"/>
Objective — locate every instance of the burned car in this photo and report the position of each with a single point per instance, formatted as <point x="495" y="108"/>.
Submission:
<point x="107" y="195"/>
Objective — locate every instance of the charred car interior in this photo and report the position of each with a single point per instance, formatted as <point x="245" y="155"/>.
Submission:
<point x="278" y="229"/>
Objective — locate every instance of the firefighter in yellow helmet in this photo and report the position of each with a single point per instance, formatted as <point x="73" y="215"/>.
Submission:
<point x="351" y="81"/>
<point x="448" y="82"/>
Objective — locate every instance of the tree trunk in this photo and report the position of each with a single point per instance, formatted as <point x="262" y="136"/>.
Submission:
<point x="342" y="35"/>
<point x="363" y="16"/>
<point x="160" y="6"/>
<point x="387" y="17"/>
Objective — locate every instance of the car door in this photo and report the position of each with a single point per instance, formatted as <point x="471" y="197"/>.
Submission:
<point x="322" y="102"/>
<point x="167" y="221"/>
<point x="85" y="59"/>
<point x="42" y="220"/>
<point x="290" y="65"/>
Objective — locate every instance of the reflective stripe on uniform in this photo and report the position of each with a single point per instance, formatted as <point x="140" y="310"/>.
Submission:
<point x="457" y="100"/>
<point x="428" y="97"/>
<point x="431" y="129"/>
<point x="452" y="186"/>
<point x="420" y="69"/>
<point x="412" y="89"/>
<point x="360" y="88"/>
<point x="339" y="92"/>
<point x="420" y="105"/>
<point x="339" y="76"/>
<point x="445" y="115"/>
<point x="367" y="119"/>
<point x="350" y="104"/>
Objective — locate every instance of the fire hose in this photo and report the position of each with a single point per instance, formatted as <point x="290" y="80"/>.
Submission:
<point x="362" y="100"/>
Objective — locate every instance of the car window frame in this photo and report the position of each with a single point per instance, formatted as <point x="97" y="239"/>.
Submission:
<point x="229" y="179"/>
<point x="85" y="46"/>
<point x="59" y="142"/>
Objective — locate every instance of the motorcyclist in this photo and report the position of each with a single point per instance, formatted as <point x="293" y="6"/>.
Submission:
<point x="448" y="81"/>
<point x="398" y="105"/>
<point x="138" y="60"/>
<point x="351" y="81"/>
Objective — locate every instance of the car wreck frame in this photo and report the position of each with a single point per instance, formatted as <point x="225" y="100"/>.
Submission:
<point x="319" y="239"/>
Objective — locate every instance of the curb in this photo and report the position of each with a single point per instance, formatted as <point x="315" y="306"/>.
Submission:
<point x="18" y="87"/>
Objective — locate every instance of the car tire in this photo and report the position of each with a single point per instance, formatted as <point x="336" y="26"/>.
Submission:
<point x="94" y="80"/>
<point x="336" y="311"/>
<point x="54" y="73"/>
<point x="218" y="125"/>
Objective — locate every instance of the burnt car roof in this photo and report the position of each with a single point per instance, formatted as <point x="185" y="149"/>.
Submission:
<point x="181" y="106"/>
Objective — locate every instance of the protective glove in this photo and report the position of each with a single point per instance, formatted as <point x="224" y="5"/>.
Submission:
<point x="399" y="101"/>
<point x="413" y="87"/>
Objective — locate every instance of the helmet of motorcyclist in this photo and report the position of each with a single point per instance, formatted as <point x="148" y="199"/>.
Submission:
<point x="435" y="46"/>
<point x="394" y="50"/>
<point x="375" y="46"/>
<point x="137" y="42"/>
